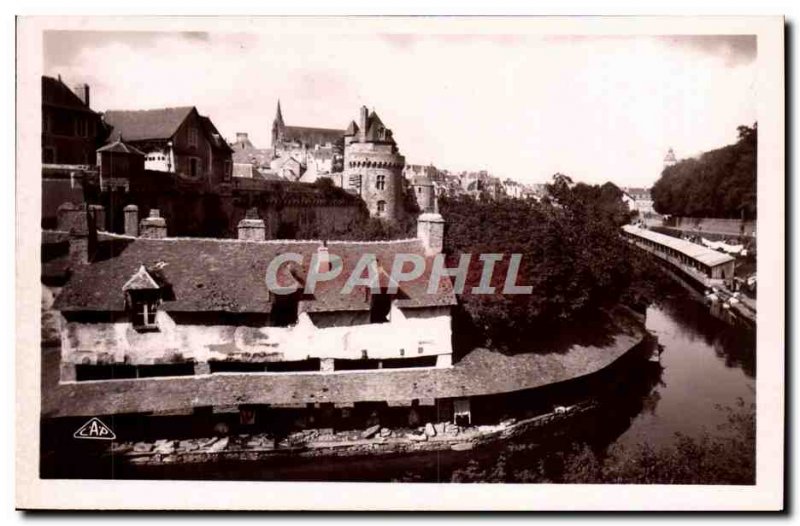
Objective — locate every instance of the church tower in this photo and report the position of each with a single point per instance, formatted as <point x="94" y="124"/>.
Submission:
<point x="669" y="159"/>
<point x="278" y="127"/>
<point x="373" y="166"/>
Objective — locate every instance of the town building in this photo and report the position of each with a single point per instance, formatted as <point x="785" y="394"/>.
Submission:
<point x="424" y="192"/>
<point x="176" y="140"/>
<point x="245" y="152"/>
<point x="670" y="159"/>
<point x="639" y="200"/>
<point x="373" y="166"/>
<point x="71" y="130"/>
<point x="307" y="146"/>
<point x="144" y="304"/>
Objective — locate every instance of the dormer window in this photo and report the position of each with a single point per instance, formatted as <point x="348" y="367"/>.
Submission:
<point x="143" y="309"/>
<point x="143" y="293"/>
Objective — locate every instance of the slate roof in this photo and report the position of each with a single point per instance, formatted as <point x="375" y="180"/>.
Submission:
<point x="218" y="275"/>
<point x="141" y="125"/>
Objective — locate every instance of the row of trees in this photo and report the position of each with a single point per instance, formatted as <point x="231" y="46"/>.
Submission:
<point x="572" y="255"/>
<point x="720" y="183"/>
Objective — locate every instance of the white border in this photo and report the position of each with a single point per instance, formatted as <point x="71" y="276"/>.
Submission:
<point x="768" y="492"/>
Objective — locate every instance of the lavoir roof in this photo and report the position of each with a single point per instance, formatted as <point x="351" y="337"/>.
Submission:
<point x="706" y="256"/>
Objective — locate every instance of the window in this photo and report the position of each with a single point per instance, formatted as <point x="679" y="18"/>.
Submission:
<point x="380" y="182"/>
<point x="192" y="136"/>
<point x="194" y="166"/>
<point x="381" y="207"/>
<point x="144" y="312"/>
<point x="81" y="128"/>
<point x="227" y="171"/>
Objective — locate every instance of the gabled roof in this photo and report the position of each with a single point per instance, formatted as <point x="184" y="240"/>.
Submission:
<point x="142" y="125"/>
<point x="119" y="146"/>
<point x="56" y="93"/>
<point x="214" y="136"/>
<point x="222" y="275"/>
<point x="141" y="280"/>
<point x="352" y="129"/>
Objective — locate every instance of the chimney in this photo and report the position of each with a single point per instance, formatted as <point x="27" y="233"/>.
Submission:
<point x="154" y="226"/>
<point x="362" y="123"/>
<point x="79" y="221"/>
<point x="131" y="213"/>
<point x="430" y="230"/>
<point x="252" y="228"/>
<point x="98" y="214"/>
<point x="82" y="91"/>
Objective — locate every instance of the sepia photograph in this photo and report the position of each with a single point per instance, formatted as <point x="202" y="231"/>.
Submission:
<point x="520" y="253"/>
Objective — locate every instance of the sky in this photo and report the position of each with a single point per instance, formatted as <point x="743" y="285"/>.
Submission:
<point x="525" y="107"/>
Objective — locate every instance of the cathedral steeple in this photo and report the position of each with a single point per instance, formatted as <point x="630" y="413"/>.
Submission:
<point x="277" y="126"/>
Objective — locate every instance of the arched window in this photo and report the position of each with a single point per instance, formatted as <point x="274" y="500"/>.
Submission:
<point x="380" y="182"/>
<point x="381" y="208"/>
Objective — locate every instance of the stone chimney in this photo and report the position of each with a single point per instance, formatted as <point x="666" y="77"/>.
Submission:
<point x="154" y="226"/>
<point x="131" y="213"/>
<point x="252" y="228"/>
<point x="82" y="91"/>
<point x="362" y="123"/>
<point x="80" y="222"/>
<point x="430" y="230"/>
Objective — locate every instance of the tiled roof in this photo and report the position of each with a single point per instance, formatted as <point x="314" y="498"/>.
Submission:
<point x="217" y="275"/>
<point x="143" y="125"/>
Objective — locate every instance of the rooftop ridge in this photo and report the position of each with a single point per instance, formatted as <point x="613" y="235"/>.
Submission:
<point x="264" y="242"/>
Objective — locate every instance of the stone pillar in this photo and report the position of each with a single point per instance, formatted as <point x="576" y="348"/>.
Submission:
<point x="98" y="213"/>
<point x="131" y="213"/>
<point x="72" y="218"/>
<point x="201" y="368"/>
<point x="430" y="229"/>
<point x="154" y="226"/>
<point x="252" y="228"/>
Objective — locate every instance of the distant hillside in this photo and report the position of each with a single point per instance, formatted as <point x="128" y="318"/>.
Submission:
<point x="721" y="183"/>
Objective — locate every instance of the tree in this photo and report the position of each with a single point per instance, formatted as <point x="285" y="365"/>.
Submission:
<point x="721" y="183"/>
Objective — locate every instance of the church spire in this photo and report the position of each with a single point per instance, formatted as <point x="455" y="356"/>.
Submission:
<point x="279" y="114"/>
<point x="277" y="127"/>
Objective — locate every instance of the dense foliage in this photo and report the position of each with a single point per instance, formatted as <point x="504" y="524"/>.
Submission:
<point x="572" y="255"/>
<point x="720" y="183"/>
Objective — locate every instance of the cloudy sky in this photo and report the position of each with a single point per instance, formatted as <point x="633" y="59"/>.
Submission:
<point x="525" y="107"/>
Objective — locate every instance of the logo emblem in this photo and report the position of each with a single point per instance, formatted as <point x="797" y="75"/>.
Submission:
<point x="94" y="429"/>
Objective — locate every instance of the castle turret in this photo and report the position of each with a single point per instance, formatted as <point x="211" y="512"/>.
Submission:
<point x="373" y="166"/>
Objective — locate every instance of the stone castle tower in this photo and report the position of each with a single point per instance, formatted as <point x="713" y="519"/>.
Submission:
<point x="373" y="166"/>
